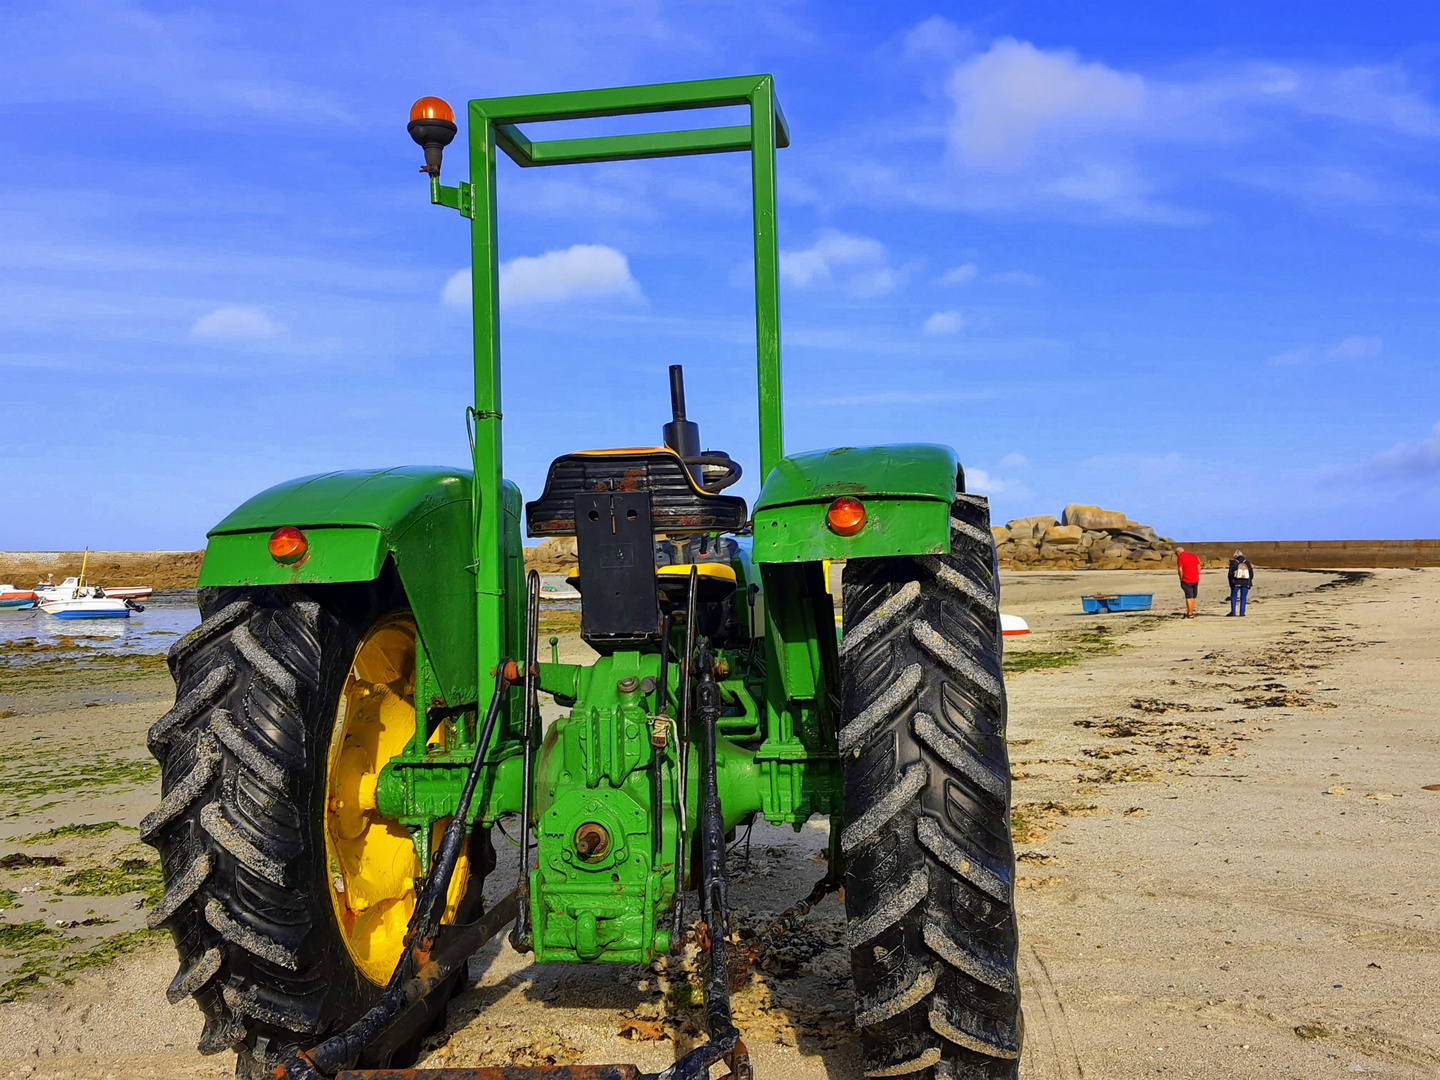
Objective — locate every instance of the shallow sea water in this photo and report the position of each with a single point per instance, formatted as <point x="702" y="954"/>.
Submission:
<point x="167" y="616"/>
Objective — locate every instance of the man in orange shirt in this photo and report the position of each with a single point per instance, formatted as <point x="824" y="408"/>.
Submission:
<point x="1187" y="564"/>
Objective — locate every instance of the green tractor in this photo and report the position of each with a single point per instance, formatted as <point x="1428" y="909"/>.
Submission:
<point x="359" y="706"/>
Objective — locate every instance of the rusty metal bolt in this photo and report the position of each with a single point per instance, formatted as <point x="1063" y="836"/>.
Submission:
<point x="628" y="685"/>
<point x="592" y="841"/>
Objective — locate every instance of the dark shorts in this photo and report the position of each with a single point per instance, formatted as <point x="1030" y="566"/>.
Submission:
<point x="1189" y="588"/>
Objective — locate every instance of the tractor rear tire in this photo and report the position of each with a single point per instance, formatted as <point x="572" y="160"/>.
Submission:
<point x="929" y="862"/>
<point x="241" y="826"/>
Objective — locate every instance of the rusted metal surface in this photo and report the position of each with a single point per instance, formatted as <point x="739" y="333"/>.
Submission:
<point x="453" y="947"/>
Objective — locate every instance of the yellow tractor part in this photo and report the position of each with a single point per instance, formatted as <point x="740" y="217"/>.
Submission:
<point x="372" y="860"/>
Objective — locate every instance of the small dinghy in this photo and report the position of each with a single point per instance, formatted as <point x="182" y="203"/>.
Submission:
<point x="88" y="607"/>
<point x="1098" y="603"/>
<point x="1013" y="624"/>
<point x="13" y="599"/>
<point x="128" y="592"/>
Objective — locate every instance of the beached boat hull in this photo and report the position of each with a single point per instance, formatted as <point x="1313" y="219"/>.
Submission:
<point x="129" y="592"/>
<point x="92" y="607"/>
<point x="13" y="599"/>
<point x="1099" y="603"/>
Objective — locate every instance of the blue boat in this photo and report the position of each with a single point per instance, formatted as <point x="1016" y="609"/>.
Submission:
<point x="1127" y="601"/>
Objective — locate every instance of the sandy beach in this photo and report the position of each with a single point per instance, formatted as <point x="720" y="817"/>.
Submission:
<point x="1228" y="833"/>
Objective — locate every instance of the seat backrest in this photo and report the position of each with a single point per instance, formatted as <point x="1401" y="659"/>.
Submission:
<point x="678" y="505"/>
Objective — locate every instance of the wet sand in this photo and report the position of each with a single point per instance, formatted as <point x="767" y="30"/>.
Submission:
<point x="1228" y="869"/>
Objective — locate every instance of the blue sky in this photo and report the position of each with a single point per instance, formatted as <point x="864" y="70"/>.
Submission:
<point x="1179" y="260"/>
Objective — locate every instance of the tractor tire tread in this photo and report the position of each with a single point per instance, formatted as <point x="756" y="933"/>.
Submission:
<point x="929" y="858"/>
<point x="237" y="756"/>
<point x="180" y="797"/>
<point x="181" y="888"/>
<point x="188" y="980"/>
<point x="188" y="706"/>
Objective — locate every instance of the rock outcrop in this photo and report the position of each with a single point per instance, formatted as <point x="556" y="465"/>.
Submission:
<point x="553" y="555"/>
<point x="1092" y="517"/>
<point x="1083" y="537"/>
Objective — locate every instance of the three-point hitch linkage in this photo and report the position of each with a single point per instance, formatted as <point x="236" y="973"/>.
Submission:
<point x="434" y="952"/>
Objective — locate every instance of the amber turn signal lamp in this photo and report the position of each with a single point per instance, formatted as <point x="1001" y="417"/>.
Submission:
<point x="432" y="125"/>
<point x="846" y="515"/>
<point x="288" y="545"/>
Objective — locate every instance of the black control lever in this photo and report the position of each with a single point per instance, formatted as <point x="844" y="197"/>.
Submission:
<point x="682" y="435"/>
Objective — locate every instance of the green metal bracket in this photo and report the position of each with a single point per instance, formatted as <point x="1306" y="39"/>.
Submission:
<point x="461" y="197"/>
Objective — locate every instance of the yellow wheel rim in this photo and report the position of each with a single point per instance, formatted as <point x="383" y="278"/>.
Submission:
<point x="372" y="860"/>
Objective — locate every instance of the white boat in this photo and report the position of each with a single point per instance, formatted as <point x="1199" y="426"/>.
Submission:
<point x="87" y="607"/>
<point x="69" y="589"/>
<point x="1011" y="625"/>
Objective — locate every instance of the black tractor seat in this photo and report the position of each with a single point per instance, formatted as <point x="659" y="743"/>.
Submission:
<point x="678" y="505"/>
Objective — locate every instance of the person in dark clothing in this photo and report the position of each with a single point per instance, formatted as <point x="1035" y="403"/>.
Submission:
<point x="1242" y="577"/>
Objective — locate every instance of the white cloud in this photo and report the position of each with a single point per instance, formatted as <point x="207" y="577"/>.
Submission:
<point x="1369" y="96"/>
<point x="578" y="272"/>
<point x="857" y="264"/>
<point x="960" y="275"/>
<point x="1407" y="462"/>
<point x="1014" y="461"/>
<point x="235" y="324"/>
<point x="1045" y="128"/>
<point x="1355" y="347"/>
<point x="944" y="322"/>
<point x="937" y="36"/>
<point x="1049" y="129"/>
<point x="1011" y="98"/>
<point x="980" y="481"/>
<point x="1292" y="357"/>
<point x="457" y="290"/>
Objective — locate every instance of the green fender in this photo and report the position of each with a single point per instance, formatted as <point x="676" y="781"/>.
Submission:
<point x="907" y="490"/>
<point x="419" y="516"/>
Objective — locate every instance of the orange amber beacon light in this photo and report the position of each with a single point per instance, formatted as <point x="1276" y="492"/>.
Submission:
<point x="432" y="125"/>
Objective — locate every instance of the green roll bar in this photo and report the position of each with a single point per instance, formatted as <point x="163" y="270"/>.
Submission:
<point x="495" y="123"/>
